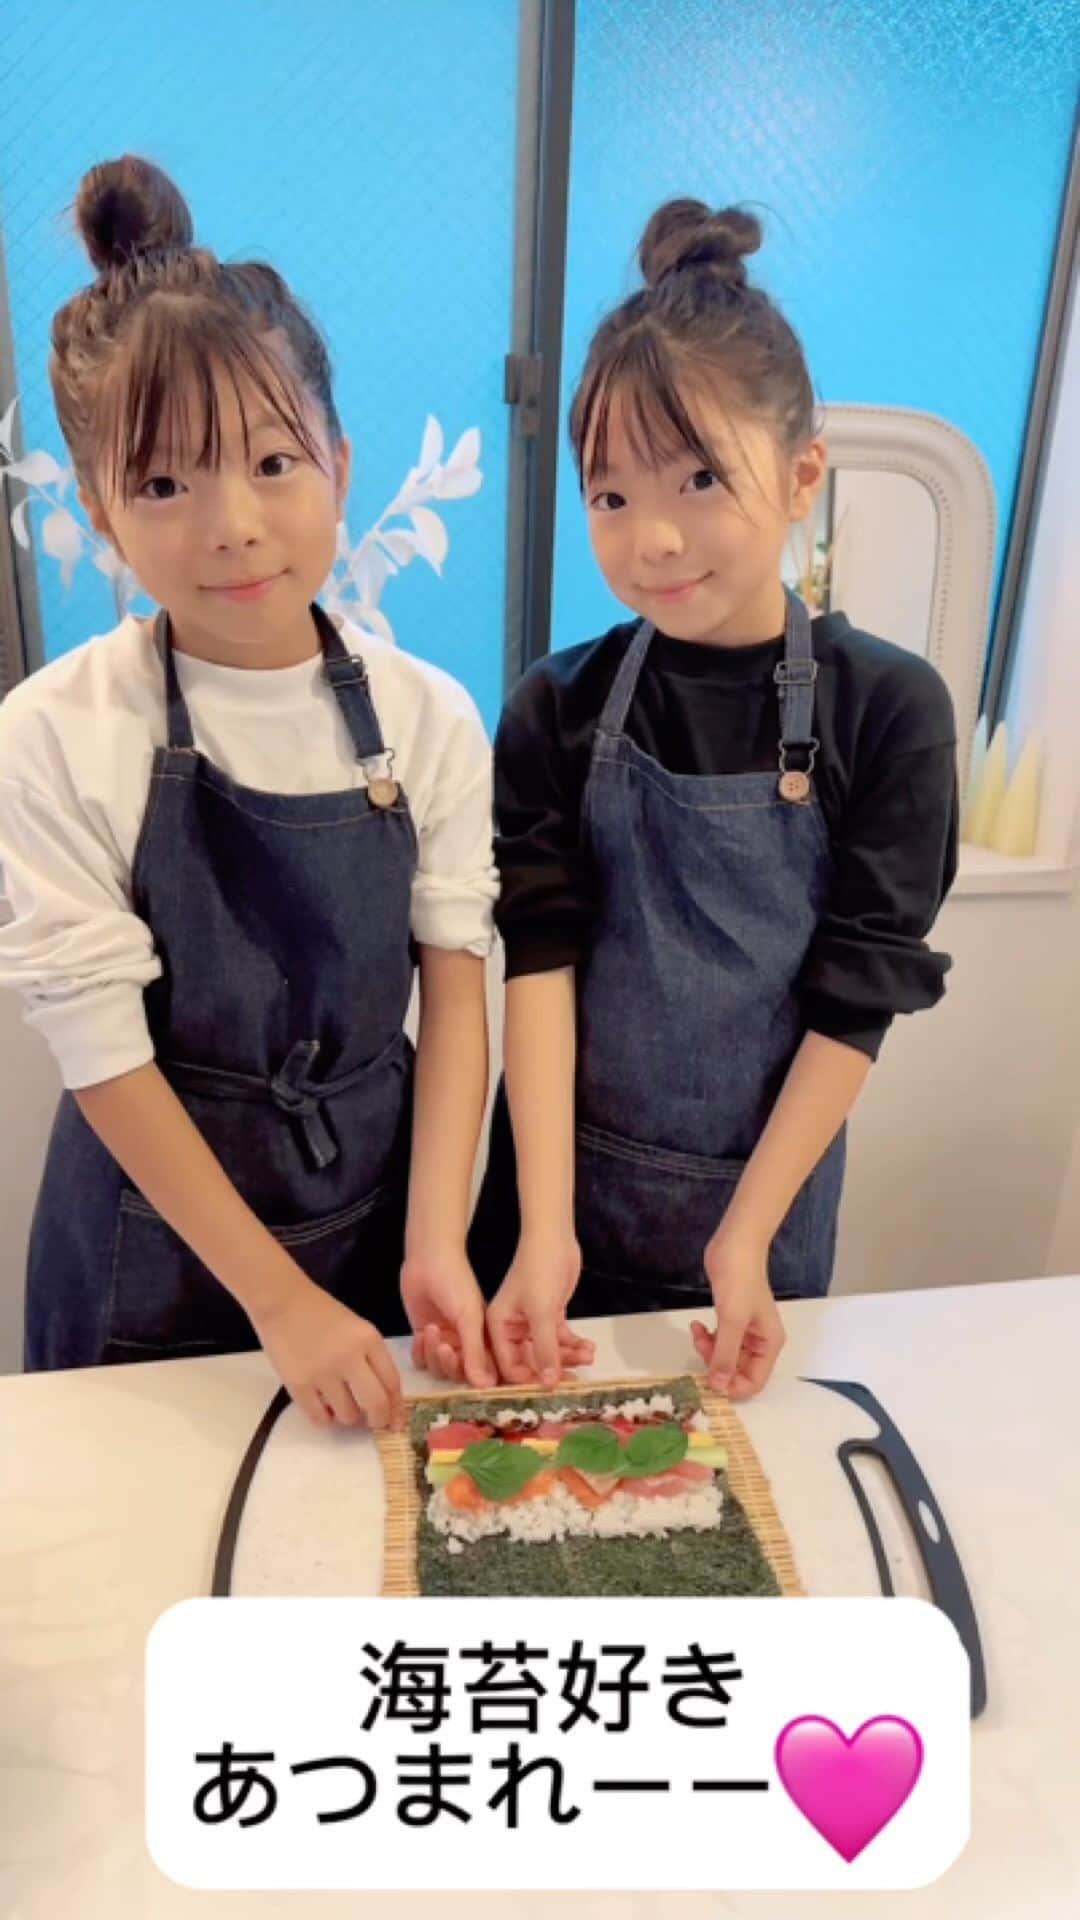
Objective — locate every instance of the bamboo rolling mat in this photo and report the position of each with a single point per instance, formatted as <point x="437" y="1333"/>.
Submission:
<point x="744" y="1477"/>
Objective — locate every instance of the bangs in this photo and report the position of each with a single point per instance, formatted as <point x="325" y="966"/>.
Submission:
<point x="638" y="376"/>
<point x="163" y="393"/>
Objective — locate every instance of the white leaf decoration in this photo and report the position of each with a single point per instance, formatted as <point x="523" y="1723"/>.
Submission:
<point x="360" y="572"/>
<point x="369" y="572"/>
<point x="401" y="546"/>
<point x="459" y="484"/>
<point x="62" y="539"/>
<point x="120" y="577"/>
<point x="431" y="446"/>
<point x="373" y="621"/>
<point x="7" y="426"/>
<point x="412" y="493"/>
<point x="432" y="539"/>
<point x="38" y="469"/>
<point x="18" y="522"/>
<point x="467" y="451"/>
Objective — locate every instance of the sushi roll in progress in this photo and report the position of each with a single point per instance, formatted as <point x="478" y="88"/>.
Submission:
<point x="631" y="1469"/>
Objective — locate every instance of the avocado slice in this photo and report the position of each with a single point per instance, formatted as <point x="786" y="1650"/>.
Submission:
<point x="438" y="1472"/>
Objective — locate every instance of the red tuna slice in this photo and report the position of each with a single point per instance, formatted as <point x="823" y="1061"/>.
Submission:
<point x="456" y="1437"/>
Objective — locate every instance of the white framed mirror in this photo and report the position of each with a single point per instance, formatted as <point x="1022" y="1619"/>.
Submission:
<point x="904" y="542"/>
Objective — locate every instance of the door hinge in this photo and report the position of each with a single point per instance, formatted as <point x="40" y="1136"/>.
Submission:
<point x="521" y="388"/>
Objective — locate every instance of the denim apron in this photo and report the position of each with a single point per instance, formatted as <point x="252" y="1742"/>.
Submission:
<point x="282" y="926"/>
<point x="709" y="891"/>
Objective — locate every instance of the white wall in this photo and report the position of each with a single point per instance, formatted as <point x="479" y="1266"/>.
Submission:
<point x="1064" y="1255"/>
<point x="960" y="1146"/>
<point x="883" y="564"/>
<point x="965" y="1159"/>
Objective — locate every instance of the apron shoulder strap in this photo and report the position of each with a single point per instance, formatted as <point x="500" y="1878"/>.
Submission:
<point x="348" y="677"/>
<point x="346" y="673"/>
<point x="617" y="705"/>
<point x="179" y="732"/>
<point x="795" y="676"/>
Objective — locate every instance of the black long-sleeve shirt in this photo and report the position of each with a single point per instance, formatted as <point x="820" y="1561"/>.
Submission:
<point x="885" y="777"/>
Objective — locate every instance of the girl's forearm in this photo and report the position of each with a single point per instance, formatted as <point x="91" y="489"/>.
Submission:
<point x="451" y="1088"/>
<point x="822" y="1085"/>
<point x="139" y="1118"/>
<point x="540" y="1050"/>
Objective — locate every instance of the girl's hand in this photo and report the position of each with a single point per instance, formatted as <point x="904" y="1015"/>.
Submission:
<point x="335" y="1365"/>
<point x="741" y="1354"/>
<point x="446" y="1312"/>
<point x="527" y="1325"/>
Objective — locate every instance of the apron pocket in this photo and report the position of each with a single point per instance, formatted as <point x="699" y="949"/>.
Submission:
<point x="165" y="1303"/>
<point x="645" y="1215"/>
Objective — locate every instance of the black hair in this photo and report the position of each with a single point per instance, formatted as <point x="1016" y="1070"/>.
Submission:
<point x="696" y="323"/>
<point x="163" y="319"/>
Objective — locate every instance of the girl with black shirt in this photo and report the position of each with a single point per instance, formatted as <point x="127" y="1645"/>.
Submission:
<point x="724" y="833"/>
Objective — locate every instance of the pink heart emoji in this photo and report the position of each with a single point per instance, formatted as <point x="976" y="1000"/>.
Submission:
<point x="849" y="1789"/>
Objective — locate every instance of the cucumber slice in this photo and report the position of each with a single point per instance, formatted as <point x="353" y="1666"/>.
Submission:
<point x="437" y="1472"/>
<point x="714" y="1456"/>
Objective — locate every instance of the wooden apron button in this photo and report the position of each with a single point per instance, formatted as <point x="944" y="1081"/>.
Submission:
<point x="382" y="792"/>
<point x="795" y="786"/>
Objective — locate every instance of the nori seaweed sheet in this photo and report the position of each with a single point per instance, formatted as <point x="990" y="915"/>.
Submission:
<point x="726" y="1560"/>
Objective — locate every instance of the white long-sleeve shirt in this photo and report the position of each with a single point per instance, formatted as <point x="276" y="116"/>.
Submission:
<point x="77" y="742"/>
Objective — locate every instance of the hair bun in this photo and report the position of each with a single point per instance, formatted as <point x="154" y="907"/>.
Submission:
<point x="129" y="206"/>
<point x="684" y="233"/>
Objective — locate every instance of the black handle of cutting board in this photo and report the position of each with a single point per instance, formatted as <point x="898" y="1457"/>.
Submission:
<point x="221" y="1580"/>
<point x="948" y="1585"/>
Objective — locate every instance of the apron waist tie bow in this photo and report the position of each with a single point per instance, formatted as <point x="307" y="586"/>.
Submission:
<point x="299" y="1098"/>
<point x="303" y="1105"/>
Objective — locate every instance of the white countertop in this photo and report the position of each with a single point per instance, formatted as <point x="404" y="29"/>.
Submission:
<point x="113" y="1483"/>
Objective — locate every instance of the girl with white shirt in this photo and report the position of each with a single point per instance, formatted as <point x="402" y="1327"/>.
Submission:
<point x="226" y="837"/>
